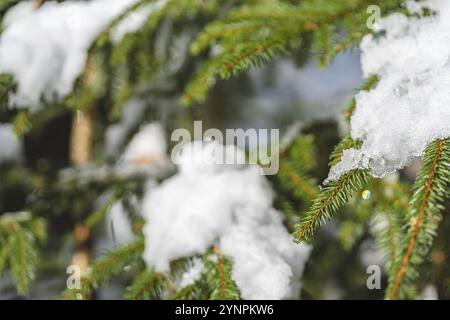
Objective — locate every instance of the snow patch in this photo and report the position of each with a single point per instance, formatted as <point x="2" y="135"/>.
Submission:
<point x="409" y="108"/>
<point x="230" y="206"/>
<point x="46" y="49"/>
<point x="147" y="151"/>
<point x="10" y="146"/>
<point x="135" y="20"/>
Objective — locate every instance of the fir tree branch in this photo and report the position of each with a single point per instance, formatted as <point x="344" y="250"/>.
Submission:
<point x="22" y="124"/>
<point x="346" y="143"/>
<point x="386" y="226"/>
<point x="4" y="255"/>
<point x="185" y="293"/>
<point x="252" y="25"/>
<point x="429" y="192"/>
<point x="296" y="186"/>
<point x="240" y="58"/>
<point x="7" y="85"/>
<point x="98" y="215"/>
<point x="148" y="285"/>
<point x="333" y="197"/>
<point x="349" y="233"/>
<point x="354" y="224"/>
<point x="221" y="273"/>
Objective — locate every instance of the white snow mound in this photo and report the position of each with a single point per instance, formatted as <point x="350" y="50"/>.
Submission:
<point x="410" y="106"/>
<point x="46" y="49"/>
<point x="230" y="207"/>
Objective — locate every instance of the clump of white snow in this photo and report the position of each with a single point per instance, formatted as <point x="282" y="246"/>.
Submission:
<point x="410" y="107"/>
<point x="266" y="264"/>
<point x="202" y="157"/>
<point x="228" y="205"/>
<point x="146" y="155"/>
<point x="46" y="49"/>
<point x="10" y="146"/>
<point x="147" y="151"/>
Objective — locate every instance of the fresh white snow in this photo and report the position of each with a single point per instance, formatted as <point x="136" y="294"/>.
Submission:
<point x="410" y="107"/>
<point x="192" y="274"/>
<point x="46" y="49"/>
<point x="228" y="205"/>
<point x="135" y="20"/>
